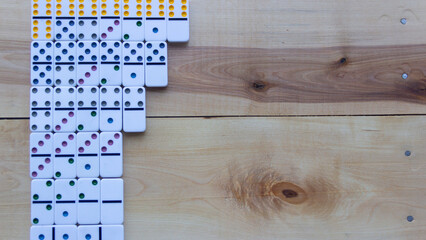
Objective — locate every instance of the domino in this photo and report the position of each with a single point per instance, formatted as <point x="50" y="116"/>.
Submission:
<point x="101" y="232"/>
<point x="111" y="115"/>
<point x="42" y="232"/>
<point x="88" y="109"/>
<point x="133" y="21"/>
<point x="42" y="63"/>
<point x="89" y="195"/>
<point x="156" y="73"/>
<point x="178" y="21"/>
<point x="65" y="21"/>
<point x="41" y="116"/>
<point x="42" y="19"/>
<point x="64" y="63"/>
<point x="110" y="53"/>
<point x="88" y="20"/>
<point x="64" y="119"/>
<point x="111" y="159"/>
<point x="155" y="21"/>
<point x="87" y="154"/>
<point x="42" y="207"/>
<point x="134" y="116"/>
<point x="112" y="201"/>
<point x="65" y="204"/>
<point x="88" y="63"/>
<point x="110" y="20"/>
<point x="41" y="148"/>
<point x="64" y="145"/>
<point x="65" y="232"/>
<point x="133" y="64"/>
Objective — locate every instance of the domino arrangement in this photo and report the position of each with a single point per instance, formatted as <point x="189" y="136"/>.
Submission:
<point x="90" y="63"/>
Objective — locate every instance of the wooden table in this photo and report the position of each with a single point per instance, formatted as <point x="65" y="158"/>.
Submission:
<point x="283" y="120"/>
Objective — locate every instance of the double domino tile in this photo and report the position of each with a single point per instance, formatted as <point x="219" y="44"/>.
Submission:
<point x="90" y="63"/>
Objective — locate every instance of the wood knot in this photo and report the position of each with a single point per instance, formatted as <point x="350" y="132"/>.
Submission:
<point x="259" y="85"/>
<point x="289" y="192"/>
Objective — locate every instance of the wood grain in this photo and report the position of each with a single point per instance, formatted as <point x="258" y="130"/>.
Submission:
<point x="221" y="178"/>
<point x="277" y="57"/>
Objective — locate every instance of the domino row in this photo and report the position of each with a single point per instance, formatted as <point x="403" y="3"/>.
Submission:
<point x="72" y="201"/>
<point x="90" y="63"/>
<point x="87" y="109"/>
<point x="82" y="232"/>
<point x="128" y="20"/>
<point x="70" y="155"/>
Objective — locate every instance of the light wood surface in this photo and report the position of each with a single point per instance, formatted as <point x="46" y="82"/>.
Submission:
<point x="272" y="57"/>
<point x="249" y="140"/>
<point x="214" y="179"/>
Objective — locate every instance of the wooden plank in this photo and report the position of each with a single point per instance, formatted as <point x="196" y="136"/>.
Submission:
<point x="276" y="57"/>
<point x="254" y="178"/>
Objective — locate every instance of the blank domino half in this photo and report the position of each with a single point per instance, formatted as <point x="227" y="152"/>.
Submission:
<point x="111" y="159"/>
<point x="112" y="201"/>
<point x="110" y="25"/>
<point x="134" y="114"/>
<point x="178" y="21"/>
<point x="155" y="20"/>
<point x="42" y="19"/>
<point x="156" y="74"/>
<point x="133" y="21"/>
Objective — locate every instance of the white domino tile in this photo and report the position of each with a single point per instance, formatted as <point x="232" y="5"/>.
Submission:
<point x="42" y="63"/>
<point x="111" y="115"/>
<point x="89" y="196"/>
<point x="133" y="20"/>
<point x="42" y="232"/>
<point x="110" y="14"/>
<point x="112" y="201"/>
<point x="88" y="63"/>
<point x="64" y="160"/>
<point x="65" y="232"/>
<point x="88" y="20"/>
<point x="110" y="54"/>
<point x="42" y="202"/>
<point x="41" y="155"/>
<point x="133" y="64"/>
<point x="88" y="154"/>
<point x="111" y="150"/>
<point x="42" y="18"/>
<point x="155" y="20"/>
<point x="65" y="201"/>
<point x="101" y="232"/>
<point x="134" y="114"/>
<point x="65" y="20"/>
<point x="65" y="71"/>
<point x="88" y="109"/>
<point x="41" y="114"/>
<point x="156" y="72"/>
<point x="64" y="115"/>
<point x="178" y="21"/>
